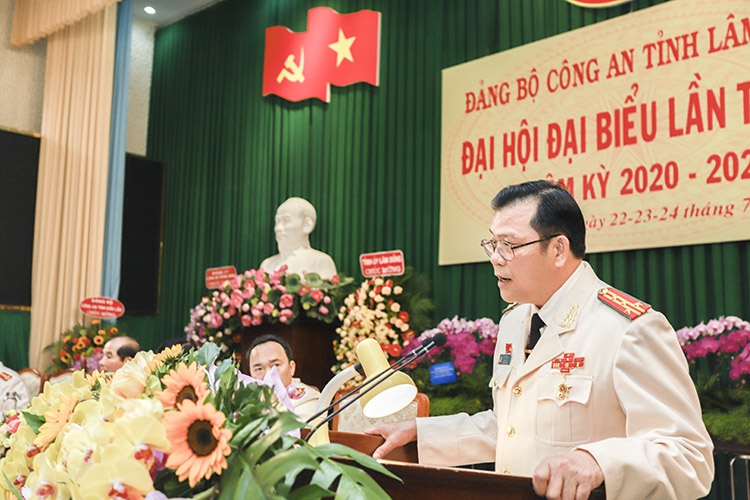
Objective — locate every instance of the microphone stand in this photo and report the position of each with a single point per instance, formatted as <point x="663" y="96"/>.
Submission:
<point x="368" y="385"/>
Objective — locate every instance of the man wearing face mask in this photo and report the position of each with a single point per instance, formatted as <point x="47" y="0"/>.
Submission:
<point x="295" y="220"/>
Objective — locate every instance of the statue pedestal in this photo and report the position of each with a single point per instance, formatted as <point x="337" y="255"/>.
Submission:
<point x="312" y="347"/>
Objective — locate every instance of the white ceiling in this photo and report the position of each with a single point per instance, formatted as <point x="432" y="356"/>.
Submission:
<point x="168" y="11"/>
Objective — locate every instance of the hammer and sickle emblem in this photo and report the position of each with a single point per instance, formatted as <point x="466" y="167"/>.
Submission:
<point x="293" y="71"/>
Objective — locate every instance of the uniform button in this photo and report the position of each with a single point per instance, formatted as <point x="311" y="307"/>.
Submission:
<point x="506" y="471"/>
<point x="510" y="431"/>
<point x="517" y="391"/>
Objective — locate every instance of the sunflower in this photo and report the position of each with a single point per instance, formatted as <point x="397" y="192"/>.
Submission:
<point x="199" y="442"/>
<point x="55" y="420"/>
<point x="184" y="383"/>
<point x="160" y="358"/>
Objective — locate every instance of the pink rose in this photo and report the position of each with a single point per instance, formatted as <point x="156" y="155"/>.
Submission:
<point x="216" y="320"/>
<point x="316" y="295"/>
<point x="286" y="301"/>
<point x="236" y="298"/>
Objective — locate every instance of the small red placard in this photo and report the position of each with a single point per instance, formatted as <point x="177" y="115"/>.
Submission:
<point x="101" y="307"/>
<point x="389" y="263"/>
<point x="216" y="276"/>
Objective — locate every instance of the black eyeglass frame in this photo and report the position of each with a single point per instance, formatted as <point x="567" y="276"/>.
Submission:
<point x="490" y="246"/>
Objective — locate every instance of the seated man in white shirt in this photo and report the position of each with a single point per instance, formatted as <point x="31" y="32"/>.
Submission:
<point x="268" y="351"/>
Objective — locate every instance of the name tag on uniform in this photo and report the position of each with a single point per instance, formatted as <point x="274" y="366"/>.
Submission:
<point x="503" y="359"/>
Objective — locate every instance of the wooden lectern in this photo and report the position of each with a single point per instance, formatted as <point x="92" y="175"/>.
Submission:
<point x="439" y="483"/>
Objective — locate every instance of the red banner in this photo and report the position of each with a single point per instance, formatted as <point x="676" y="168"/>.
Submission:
<point x="337" y="49"/>
<point x="389" y="263"/>
<point x="216" y="276"/>
<point x="101" y="307"/>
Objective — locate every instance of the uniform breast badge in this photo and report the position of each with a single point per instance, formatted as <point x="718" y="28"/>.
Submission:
<point x="296" y="392"/>
<point x="570" y="318"/>
<point x="565" y="364"/>
<point x="563" y="390"/>
<point x="504" y="359"/>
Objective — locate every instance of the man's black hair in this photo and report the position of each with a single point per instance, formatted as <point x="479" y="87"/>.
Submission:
<point x="557" y="212"/>
<point x="272" y="338"/>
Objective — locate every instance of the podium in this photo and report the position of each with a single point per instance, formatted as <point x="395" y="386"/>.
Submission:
<point x="439" y="483"/>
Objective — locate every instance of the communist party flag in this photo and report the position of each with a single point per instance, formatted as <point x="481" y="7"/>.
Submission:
<point x="337" y="49"/>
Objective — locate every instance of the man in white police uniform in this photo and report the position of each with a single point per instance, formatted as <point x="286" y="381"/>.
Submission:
<point x="603" y="397"/>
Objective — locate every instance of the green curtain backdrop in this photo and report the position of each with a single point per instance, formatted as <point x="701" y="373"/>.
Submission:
<point x="369" y="160"/>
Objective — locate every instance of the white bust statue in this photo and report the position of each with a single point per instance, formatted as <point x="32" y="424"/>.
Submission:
<point x="295" y="220"/>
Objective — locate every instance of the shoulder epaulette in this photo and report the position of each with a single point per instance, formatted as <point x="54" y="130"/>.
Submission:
<point x="622" y="302"/>
<point x="509" y="307"/>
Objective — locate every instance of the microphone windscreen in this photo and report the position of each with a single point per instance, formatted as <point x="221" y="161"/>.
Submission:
<point x="439" y="339"/>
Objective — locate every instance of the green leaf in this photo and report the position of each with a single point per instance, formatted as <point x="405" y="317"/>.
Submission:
<point x="292" y="283"/>
<point x="207" y="354"/>
<point x="314" y="280"/>
<point x="238" y="483"/>
<point x="289" y="463"/>
<point x="339" y="450"/>
<point x="12" y="488"/>
<point x="35" y="421"/>
<point x="308" y="491"/>
<point x="356" y="484"/>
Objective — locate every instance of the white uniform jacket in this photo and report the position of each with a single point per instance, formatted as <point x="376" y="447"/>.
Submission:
<point x="304" y="398"/>
<point x="597" y="380"/>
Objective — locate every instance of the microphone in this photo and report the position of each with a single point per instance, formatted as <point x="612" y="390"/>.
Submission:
<point x="438" y="340"/>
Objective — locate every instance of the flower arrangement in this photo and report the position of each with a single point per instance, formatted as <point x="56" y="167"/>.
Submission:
<point x="9" y="422"/>
<point x="256" y="297"/>
<point x="173" y="425"/>
<point x="386" y="309"/>
<point x="718" y="354"/>
<point x="469" y="347"/>
<point x="81" y="347"/>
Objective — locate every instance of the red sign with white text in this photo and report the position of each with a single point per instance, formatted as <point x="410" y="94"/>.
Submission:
<point x="216" y="276"/>
<point x="389" y="263"/>
<point x="337" y="49"/>
<point x="101" y="307"/>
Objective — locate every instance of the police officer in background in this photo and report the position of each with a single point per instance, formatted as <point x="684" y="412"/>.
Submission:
<point x="604" y="394"/>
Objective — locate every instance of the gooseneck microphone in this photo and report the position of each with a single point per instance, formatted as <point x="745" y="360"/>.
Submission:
<point x="438" y="340"/>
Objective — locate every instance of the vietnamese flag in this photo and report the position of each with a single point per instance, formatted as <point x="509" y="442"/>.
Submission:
<point x="353" y="43"/>
<point x="291" y="66"/>
<point x="338" y="49"/>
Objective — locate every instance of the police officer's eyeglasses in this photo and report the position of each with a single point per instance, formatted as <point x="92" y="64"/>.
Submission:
<point x="506" y="249"/>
